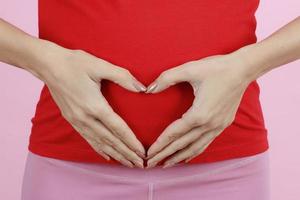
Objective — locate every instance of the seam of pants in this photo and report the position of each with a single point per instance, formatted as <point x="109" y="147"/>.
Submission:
<point x="150" y="190"/>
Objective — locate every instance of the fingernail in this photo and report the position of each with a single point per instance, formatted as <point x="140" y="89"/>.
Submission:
<point x="150" y="165"/>
<point x="139" y="164"/>
<point x="127" y="163"/>
<point x="138" y="160"/>
<point x="166" y="165"/>
<point x="140" y="87"/>
<point x="151" y="88"/>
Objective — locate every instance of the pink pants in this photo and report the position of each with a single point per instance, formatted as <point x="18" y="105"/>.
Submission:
<point x="245" y="178"/>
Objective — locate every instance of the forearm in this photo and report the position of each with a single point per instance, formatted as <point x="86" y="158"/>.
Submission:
<point x="281" y="47"/>
<point x="22" y="50"/>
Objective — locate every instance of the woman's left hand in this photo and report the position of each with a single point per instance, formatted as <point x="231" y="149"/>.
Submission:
<point x="218" y="83"/>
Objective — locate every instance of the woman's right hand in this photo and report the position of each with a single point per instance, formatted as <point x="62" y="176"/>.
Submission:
<point x="74" y="81"/>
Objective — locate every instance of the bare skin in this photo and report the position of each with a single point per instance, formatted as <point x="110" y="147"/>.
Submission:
<point x="219" y="82"/>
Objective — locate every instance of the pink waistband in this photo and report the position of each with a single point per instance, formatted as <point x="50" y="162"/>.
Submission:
<point x="180" y="171"/>
<point x="244" y="178"/>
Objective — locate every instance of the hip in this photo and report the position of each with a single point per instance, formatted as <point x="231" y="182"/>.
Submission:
<point x="238" y="178"/>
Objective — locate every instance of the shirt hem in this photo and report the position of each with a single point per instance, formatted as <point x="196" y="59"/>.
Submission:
<point x="91" y="156"/>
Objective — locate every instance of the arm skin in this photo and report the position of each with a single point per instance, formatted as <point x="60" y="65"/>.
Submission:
<point x="281" y="47"/>
<point x="20" y="49"/>
<point x="80" y="100"/>
<point x="212" y="79"/>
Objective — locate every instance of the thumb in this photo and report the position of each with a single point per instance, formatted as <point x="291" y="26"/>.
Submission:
<point x="166" y="79"/>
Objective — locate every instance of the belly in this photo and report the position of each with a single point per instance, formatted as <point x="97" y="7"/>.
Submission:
<point x="148" y="37"/>
<point x="148" y="114"/>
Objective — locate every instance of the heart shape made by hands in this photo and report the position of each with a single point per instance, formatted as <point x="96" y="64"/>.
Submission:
<point x="145" y="113"/>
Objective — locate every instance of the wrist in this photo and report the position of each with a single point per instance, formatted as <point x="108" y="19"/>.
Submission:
<point x="252" y="65"/>
<point x="41" y="55"/>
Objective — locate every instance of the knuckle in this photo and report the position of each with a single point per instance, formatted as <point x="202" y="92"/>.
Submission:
<point x="212" y="123"/>
<point x="76" y="119"/>
<point x="78" y="51"/>
<point x="190" y="121"/>
<point x="92" y="108"/>
<point x="102" y="111"/>
<point x="107" y="140"/>
<point x="113" y="145"/>
<point x="81" y="51"/>
<point x="125" y="73"/>
<point x="196" y="118"/>
<point x="164" y="76"/>
<point x="171" y="137"/>
<point x="176" y="145"/>
<point x="187" y="70"/>
<point x="100" y="144"/>
<point x="197" y="121"/>
<point x="119" y="133"/>
<point x="202" y="118"/>
<point x="123" y="70"/>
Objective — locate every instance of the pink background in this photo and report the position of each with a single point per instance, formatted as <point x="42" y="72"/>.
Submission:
<point x="280" y="97"/>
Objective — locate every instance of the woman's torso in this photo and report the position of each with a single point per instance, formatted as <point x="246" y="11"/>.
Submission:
<point x="148" y="37"/>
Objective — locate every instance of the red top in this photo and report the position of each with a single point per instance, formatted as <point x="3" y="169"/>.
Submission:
<point x="148" y="37"/>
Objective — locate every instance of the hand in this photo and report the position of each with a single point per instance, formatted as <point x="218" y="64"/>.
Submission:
<point x="218" y="83"/>
<point x="74" y="80"/>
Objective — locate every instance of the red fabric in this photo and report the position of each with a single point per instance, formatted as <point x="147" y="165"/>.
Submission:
<point x="148" y="37"/>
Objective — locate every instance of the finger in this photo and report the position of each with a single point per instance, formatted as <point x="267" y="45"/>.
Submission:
<point x="116" y="155"/>
<point x="193" y="149"/>
<point x="168" y="78"/>
<point x="122" y="77"/>
<point x="105" y="136"/>
<point x="175" y="130"/>
<point x="214" y="134"/>
<point x="96" y="147"/>
<point x="176" y="145"/>
<point x="204" y="147"/>
<point x="118" y="127"/>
